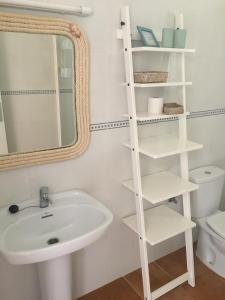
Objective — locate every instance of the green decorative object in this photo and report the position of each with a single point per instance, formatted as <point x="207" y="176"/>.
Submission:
<point x="168" y="37"/>
<point x="180" y="38"/>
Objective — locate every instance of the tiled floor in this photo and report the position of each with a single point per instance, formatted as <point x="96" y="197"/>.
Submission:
<point x="209" y="286"/>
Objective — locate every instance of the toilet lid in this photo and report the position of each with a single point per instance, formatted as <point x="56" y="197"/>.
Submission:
<point x="217" y="223"/>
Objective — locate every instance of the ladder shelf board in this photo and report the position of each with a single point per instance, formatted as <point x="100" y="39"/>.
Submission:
<point x="158" y="49"/>
<point x="162" y="186"/>
<point x="145" y="116"/>
<point x="162" y="84"/>
<point x="161" y="223"/>
<point x="163" y="146"/>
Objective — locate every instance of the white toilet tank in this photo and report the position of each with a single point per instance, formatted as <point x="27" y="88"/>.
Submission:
<point x="206" y="200"/>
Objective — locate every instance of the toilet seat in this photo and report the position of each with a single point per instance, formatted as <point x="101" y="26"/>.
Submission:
<point x="217" y="223"/>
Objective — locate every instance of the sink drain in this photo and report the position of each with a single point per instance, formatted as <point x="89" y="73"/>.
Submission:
<point x="52" y="241"/>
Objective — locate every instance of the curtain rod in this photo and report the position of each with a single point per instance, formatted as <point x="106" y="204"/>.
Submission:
<point x="44" y="6"/>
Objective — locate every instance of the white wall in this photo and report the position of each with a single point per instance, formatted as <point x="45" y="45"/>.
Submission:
<point x="117" y="252"/>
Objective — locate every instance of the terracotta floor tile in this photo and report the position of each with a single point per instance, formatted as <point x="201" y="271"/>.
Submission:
<point x="158" y="278"/>
<point x="116" y="290"/>
<point x="174" y="264"/>
<point x="209" y="286"/>
<point x="178" y="294"/>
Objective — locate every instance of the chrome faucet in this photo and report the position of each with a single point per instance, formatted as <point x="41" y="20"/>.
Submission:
<point x="44" y="198"/>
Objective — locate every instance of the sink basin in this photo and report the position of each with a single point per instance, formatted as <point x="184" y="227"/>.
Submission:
<point x="48" y="236"/>
<point x="72" y="221"/>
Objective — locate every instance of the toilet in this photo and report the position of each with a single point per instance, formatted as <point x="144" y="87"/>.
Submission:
<point x="205" y="203"/>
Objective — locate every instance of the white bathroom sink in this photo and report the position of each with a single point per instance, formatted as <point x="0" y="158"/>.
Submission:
<point x="72" y="221"/>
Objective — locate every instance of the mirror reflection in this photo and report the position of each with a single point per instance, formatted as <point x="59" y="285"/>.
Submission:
<point x="37" y="96"/>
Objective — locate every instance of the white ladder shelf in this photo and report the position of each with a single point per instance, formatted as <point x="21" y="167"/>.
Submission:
<point x="160" y="223"/>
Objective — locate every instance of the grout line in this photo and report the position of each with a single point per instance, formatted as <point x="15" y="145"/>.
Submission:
<point x="163" y="270"/>
<point x="133" y="288"/>
<point x="171" y="277"/>
<point x="167" y="272"/>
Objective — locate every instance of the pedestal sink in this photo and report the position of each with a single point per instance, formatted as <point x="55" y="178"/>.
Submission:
<point x="48" y="236"/>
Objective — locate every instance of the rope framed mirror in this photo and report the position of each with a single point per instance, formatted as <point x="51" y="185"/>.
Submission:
<point x="44" y="105"/>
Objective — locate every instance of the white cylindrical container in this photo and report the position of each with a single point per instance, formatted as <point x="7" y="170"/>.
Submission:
<point x="155" y="105"/>
<point x="179" y="21"/>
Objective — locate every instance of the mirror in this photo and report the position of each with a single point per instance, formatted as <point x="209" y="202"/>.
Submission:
<point x="44" y="113"/>
<point x="37" y="92"/>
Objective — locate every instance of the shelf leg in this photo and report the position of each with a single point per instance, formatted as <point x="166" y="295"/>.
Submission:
<point x="185" y="175"/>
<point x="145" y="269"/>
<point x="136" y="169"/>
<point x="187" y="214"/>
<point x="190" y="257"/>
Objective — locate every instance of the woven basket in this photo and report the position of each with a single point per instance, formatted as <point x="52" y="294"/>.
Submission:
<point x="173" y="109"/>
<point x="150" y="77"/>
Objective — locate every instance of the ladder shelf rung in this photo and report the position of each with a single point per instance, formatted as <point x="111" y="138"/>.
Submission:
<point x="163" y="84"/>
<point x="162" y="186"/>
<point x="160" y="49"/>
<point x="170" y="286"/>
<point x="164" y="146"/>
<point x="161" y="224"/>
<point x="145" y="116"/>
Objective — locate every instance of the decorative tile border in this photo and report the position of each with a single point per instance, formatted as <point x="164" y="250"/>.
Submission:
<point x="121" y="124"/>
<point x="34" y="92"/>
<point x="66" y="91"/>
<point x="109" y="125"/>
<point x="116" y="124"/>
<point x="207" y="113"/>
<point x="27" y="92"/>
